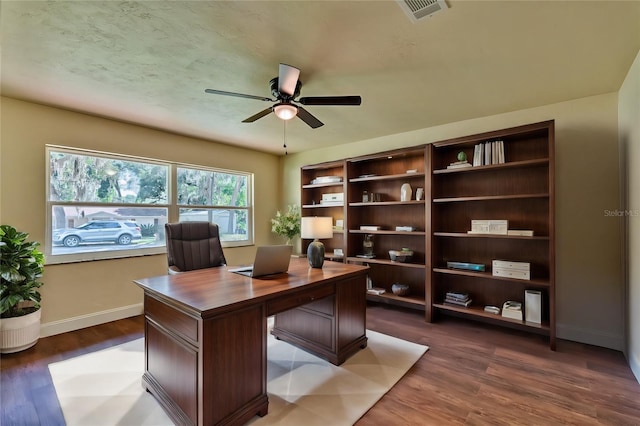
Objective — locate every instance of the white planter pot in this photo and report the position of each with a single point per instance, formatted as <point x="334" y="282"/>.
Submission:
<point x="19" y="333"/>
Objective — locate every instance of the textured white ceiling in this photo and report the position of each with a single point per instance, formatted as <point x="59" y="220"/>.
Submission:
<point x="149" y="62"/>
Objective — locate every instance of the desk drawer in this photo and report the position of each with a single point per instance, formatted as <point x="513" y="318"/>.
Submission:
<point x="302" y="298"/>
<point x="171" y="319"/>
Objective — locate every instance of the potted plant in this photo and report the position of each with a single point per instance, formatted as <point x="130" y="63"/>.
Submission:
<point x="287" y="224"/>
<point x="21" y="266"/>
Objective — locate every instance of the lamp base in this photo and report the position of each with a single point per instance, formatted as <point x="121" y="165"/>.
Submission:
<point x="315" y="254"/>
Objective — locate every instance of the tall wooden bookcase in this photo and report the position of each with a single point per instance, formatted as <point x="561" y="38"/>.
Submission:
<point x="381" y="177"/>
<point x="435" y="227"/>
<point x="318" y="180"/>
<point x="520" y="190"/>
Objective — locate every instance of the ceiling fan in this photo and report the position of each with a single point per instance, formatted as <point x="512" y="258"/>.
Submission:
<point x="286" y="88"/>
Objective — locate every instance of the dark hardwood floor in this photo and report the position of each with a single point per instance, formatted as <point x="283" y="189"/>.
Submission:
<point x="473" y="374"/>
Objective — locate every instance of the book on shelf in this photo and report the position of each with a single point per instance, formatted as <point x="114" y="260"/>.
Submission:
<point x="326" y="179"/>
<point x="495" y="226"/>
<point x="466" y="266"/>
<point x="369" y="227"/>
<point x="456" y="302"/>
<point x="478" y="155"/>
<point x="520" y="232"/>
<point x="456" y="295"/>
<point x="376" y="290"/>
<point x="487" y="153"/>
<point x="459" y="165"/>
<point x="457" y="299"/>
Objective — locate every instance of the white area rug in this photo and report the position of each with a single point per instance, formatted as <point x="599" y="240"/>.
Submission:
<point x="104" y="387"/>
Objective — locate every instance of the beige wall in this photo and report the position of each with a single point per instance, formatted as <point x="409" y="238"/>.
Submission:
<point x="629" y="118"/>
<point x="588" y="274"/>
<point x="91" y="292"/>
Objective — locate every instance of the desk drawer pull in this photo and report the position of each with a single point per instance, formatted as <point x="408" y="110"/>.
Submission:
<point x="302" y="298"/>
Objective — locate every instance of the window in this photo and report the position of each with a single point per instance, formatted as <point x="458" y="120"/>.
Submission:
<point x="106" y="205"/>
<point x="219" y="197"/>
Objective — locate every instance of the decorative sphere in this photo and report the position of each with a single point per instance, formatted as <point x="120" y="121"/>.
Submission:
<point x="400" y="289"/>
<point x="462" y="156"/>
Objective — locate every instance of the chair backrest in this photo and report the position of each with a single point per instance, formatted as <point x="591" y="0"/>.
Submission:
<point x="193" y="245"/>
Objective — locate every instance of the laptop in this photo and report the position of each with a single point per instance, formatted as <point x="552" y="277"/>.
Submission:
<point x="269" y="260"/>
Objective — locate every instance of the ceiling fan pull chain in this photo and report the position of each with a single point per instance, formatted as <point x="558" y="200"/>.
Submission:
<point x="284" y="136"/>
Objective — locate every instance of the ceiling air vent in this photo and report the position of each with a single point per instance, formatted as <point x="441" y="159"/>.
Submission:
<point x="420" y="9"/>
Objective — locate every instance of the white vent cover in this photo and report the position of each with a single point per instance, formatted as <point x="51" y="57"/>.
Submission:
<point x="420" y="9"/>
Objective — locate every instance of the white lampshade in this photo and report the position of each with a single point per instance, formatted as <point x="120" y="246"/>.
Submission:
<point x="285" y="111"/>
<point x="317" y="227"/>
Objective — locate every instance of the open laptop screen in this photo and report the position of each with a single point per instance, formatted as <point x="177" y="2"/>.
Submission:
<point x="269" y="260"/>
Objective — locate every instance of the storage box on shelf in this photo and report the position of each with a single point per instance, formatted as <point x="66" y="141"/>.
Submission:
<point x="520" y="191"/>
<point x="382" y="209"/>
<point x="322" y="194"/>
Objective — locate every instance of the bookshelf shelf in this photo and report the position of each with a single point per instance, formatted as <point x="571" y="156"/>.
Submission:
<point x="488" y="275"/>
<point x="388" y="232"/>
<point x="479" y="313"/>
<point x="467" y="235"/>
<point x="489" y="198"/>
<point x="512" y="164"/>
<point x="399" y="176"/>
<point x="406" y="301"/>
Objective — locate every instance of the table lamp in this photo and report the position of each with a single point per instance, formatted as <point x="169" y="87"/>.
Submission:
<point x="316" y="227"/>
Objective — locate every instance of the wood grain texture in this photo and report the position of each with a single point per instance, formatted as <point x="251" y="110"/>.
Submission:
<point x="473" y="374"/>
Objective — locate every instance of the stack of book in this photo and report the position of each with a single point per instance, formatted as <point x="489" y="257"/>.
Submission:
<point x="457" y="299"/>
<point x="459" y="164"/>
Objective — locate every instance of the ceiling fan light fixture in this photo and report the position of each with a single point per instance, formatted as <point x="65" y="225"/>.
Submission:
<point x="285" y="111"/>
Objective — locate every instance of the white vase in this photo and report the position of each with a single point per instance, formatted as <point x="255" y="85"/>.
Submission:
<point x="405" y="192"/>
<point x="19" y="333"/>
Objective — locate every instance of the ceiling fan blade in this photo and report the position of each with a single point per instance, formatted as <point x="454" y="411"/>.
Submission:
<point x="258" y="115"/>
<point x="238" y="95"/>
<point x="287" y="79"/>
<point x="331" y="100"/>
<point x="306" y="116"/>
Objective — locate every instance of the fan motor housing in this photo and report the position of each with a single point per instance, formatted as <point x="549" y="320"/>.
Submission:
<point x="273" y="84"/>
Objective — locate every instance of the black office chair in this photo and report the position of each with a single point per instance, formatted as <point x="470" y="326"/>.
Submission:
<point x="193" y="245"/>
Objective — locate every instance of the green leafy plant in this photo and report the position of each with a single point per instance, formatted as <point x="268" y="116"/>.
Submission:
<point x="148" y="230"/>
<point x="21" y="265"/>
<point x="287" y="224"/>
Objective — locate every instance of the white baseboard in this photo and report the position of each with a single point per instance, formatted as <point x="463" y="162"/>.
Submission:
<point x="590" y="337"/>
<point x="634" y="363"/>
<point x="89" y="320"/>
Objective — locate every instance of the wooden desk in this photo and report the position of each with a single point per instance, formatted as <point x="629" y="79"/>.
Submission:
<point x="205" y="334"/>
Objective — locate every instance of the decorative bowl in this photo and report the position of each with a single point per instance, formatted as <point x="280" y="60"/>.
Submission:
<point x="404" y="255"/>
<point x="400" y="289"/>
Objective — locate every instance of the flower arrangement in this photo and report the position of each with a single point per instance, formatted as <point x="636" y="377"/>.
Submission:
<point x="287" y="224"/>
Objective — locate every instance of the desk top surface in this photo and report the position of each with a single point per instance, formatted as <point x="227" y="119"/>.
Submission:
<point x="217" y="288"/>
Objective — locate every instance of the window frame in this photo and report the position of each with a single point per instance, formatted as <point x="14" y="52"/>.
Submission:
<point x="248" y="208"/>
<point x="172" y="208"/>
